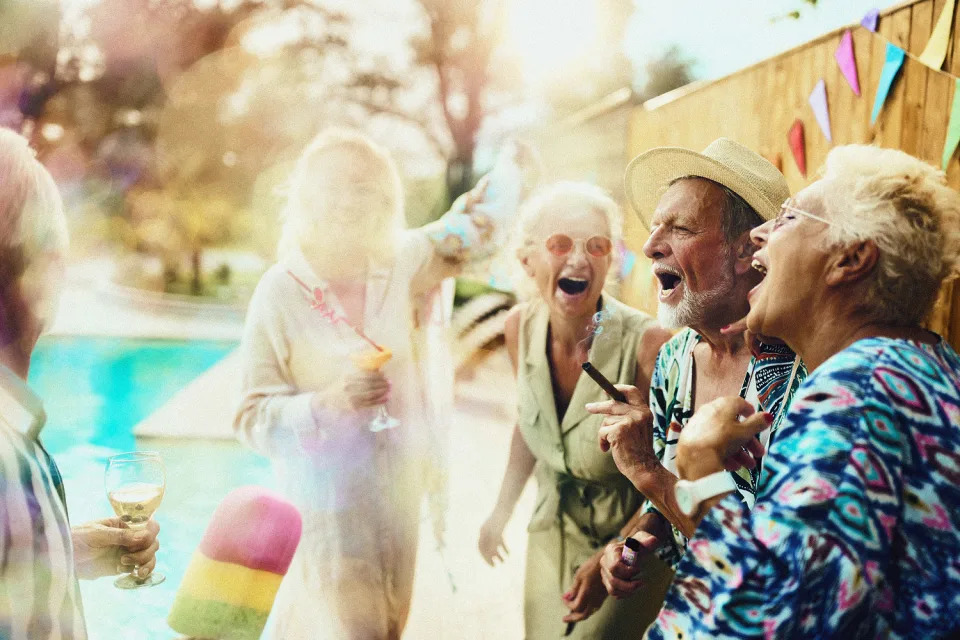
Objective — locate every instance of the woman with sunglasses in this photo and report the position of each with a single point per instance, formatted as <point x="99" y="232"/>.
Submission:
<point x="566" y="236"/>
<point x="856" y="528"/>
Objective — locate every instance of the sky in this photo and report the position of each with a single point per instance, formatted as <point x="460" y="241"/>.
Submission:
<point x="726" y="35"/>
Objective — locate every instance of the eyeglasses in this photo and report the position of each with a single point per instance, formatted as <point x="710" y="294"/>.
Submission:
<point x="787" y="208"/>
<point x="560" y="244"/>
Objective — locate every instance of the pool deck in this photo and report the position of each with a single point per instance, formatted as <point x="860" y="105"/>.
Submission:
<point x="91" y="305"/>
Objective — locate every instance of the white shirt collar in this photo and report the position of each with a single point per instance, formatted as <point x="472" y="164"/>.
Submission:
<point x="20" y="408"/>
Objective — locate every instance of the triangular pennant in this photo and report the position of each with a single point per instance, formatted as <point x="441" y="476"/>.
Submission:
<point x="818" y="102"/>
<point x="953" y="129"/>
<point x="936" y="49"/>
<point x="891" y="67"/>
<point x="847" y="61"/>
<point x="870" y="19"/>
<point x="798" y="146"/>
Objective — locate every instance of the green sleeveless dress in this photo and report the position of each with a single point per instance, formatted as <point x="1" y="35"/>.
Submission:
<point x="582" y="500"/>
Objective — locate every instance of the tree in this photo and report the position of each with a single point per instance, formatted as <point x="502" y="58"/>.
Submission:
<point x="459" y="46"/>
<point x="134" y="91"/>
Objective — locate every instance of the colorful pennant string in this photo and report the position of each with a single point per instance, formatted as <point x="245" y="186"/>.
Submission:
<point x="953" y="129"/>
<point x="936" y="50"/>
<point x="798" y="146"/>
<point x="818" y="102"/>
<point x="891" y="67"/>
<point x="848" y="62"/>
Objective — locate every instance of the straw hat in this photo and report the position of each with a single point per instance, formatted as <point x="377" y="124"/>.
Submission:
<point x="724" y="161"/>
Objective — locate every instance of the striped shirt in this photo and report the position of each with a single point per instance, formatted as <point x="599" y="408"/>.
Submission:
<point x="39" y="593"/>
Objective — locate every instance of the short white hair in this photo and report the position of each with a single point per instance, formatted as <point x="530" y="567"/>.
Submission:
<point x="583" y="194"/>
<point x="32" y="222"/>
<point x="304" y="220"/>
<point x="905" y="206"/>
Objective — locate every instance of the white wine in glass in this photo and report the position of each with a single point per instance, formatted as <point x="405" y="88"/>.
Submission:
<point x="135" y="483"/>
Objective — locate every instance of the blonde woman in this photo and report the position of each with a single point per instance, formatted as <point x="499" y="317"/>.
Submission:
<point x="349" y="275"/>
<point x="567" y="233"/>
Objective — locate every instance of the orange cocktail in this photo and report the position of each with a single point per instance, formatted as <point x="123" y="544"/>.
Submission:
<point x="373" y="360"/>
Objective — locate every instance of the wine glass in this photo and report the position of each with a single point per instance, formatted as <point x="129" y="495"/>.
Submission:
<point x="135" y="483"/>
<point x="373" y="360"/>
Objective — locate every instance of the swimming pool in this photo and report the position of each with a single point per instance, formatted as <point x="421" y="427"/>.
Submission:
<point x="95" y="391"/>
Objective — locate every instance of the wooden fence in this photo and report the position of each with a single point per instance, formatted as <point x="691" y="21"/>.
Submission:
<point x="757" y="105"/>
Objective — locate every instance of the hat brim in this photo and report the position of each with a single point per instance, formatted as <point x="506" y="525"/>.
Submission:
<point x="650" y="173"/>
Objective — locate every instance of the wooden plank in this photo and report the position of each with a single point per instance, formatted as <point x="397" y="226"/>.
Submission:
<point x="953" y="166"/>
<point x="840" y="97"/>
<point x="888" y="126"/>
<point x="817" y="144"/>
<point x="915" y="78"/>
<point x="952" y="60"/>
<point x="936" y="112"/>
<point x="783" y="120"/>
<point x="869" y="81"/>
<point x="939" y="320"/>
<point x="864" y="43"/>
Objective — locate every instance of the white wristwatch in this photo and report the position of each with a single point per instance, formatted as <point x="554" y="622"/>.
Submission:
<point x="690" y="494"/>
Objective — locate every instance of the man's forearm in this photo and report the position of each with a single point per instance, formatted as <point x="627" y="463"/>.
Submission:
<point x="657" y="484"/>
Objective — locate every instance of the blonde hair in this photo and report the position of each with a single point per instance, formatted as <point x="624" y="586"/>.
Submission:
<point x="373" y="201"/>
<point x="32" y="221"/>
<point x="583" y="194"/>
<point x="905" y="206"/>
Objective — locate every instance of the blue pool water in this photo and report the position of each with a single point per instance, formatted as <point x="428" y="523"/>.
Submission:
<point x="95" y="390"/>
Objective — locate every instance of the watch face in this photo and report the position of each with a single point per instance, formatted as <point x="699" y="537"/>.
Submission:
<point x="686" y="499"/>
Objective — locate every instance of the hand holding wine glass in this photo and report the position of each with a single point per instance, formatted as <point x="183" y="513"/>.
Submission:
<point x="135" y="483"/>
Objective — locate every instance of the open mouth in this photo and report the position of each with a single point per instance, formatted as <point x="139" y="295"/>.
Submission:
<point x="573" y="286"/>
<point x="668" y="281"/>
<point x="759" y="267"/>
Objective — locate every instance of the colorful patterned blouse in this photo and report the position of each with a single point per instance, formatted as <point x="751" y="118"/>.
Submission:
<point x="671" y="401"/>
<point x="856" y="529"/>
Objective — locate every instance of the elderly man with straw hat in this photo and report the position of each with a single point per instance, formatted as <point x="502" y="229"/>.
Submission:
<point x="700" y="209"/>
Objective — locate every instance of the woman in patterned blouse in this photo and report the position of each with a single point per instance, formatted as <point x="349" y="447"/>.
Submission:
<point x="856" y="528"/>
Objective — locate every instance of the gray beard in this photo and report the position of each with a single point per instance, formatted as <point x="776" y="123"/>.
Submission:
<point x="695" y="308"/>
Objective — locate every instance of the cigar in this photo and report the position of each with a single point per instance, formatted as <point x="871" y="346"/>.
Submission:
<point x="605" y="384"/>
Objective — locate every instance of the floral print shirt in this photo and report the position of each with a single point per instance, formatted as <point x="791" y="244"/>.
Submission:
<point x="856" y="528"/>
<point x="771" y="372"/>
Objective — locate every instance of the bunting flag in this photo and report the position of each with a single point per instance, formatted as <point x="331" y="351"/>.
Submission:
<point x="818" y="102"/>
<point x="798" y="147"/>
<point x="847" y="61"/>
<point x="871" y="19"/>
<point x="953" y="129"/>
<point x="936" y="50"/>
<point x="891" y="67"/>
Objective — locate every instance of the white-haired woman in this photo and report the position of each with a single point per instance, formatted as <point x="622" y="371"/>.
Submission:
<point x="567" y="233"/>
<point x="856" y="528"/>
<point x="349" y="276"/>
